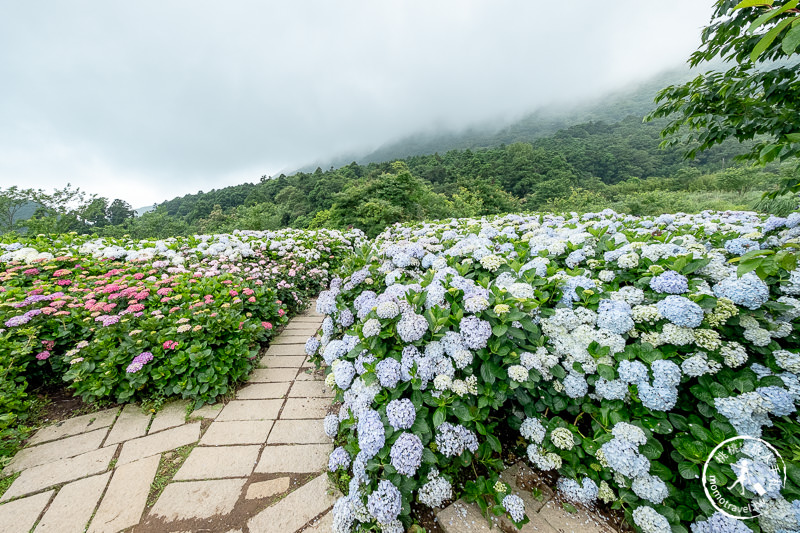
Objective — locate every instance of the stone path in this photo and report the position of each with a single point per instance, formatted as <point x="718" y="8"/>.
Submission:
<point x="546" y="513"/>
<point x="256" y="464"/>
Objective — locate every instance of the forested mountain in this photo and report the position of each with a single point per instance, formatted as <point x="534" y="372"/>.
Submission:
<point x="635" y="100"/>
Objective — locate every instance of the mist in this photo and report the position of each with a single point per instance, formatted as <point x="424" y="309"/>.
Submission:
<point x="149" y="100"/>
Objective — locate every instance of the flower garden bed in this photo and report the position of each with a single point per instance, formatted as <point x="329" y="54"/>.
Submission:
<point x="128" y="320"/>
<point x="621" y="351"/>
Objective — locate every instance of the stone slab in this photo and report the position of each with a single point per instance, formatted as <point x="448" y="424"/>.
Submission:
<point x="462" y="517"/>
<point x="323" y="525"/>
<point x="307" y="319"/>
<point x="220" y="433"/>
<point x="43" y="476"/>
<point x="199" y="499"/>
<point x="173" y="414"/>
<point x="267" y="489"/>
<point x="286" y="338"/>
<point x="73" y="506"/>
<point x="56" y="450"/>
<point x="522" y="479"/>
<point x="302" y="459"/>
<point x="263" y="391"/>
<point x="298" y="432"/>
<point x="250" y="410"/>
<point x="20" y="515"/>
<point x="310" y="389"/>
<point x="300" y="329"/>
<point x="310" y="374"/>
<point x="581" y="521"/>
<point x="218" y="462"/>
<point x="159" y="442"/>
<point x="302" y="408"/>
<point x="126" y="497"/>
<point x="130" y="424"/>
<point x="272" y="375"/>
<point x="283" y="361"/>
<point x="287" y="349"/>
<point x="74" y="426"/>
<point x="297" y="508"/>
<point x="207" y="411"/>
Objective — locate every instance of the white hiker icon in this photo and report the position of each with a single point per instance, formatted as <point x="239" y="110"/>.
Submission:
<point x="742" y="469"/>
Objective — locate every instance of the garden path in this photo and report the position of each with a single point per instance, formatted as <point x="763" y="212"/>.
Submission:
<point x="255" y="464"/>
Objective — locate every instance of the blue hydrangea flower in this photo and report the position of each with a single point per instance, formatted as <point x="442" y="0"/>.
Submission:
<point x="657" y="398"/>
<point x="339" y="458"/>
<point x="681" y="311"/>
<point x="569" y="295"/>
<point x="331" y="425"/>
<point x="515" y="507"/>
<point x="575" y="492"/>
<point x="740" y="246"/>
<point x="401" y="413"/>
<point x="343" y="373"/>
<point x="615" y="316"/>
<point x="650" y="488"/>
<point x="720" y="523"/>
<point x="312" y="345"/>
<point x="779" y="401"/>
<point x="575" y="385"/>
<point x="452" y="440"/>
<point x="665" y="373"/>
<point x="385" y="502"/>
<point x="343" y="515"/>
<point x="533" y="430"/>
<point x="388" y="372"/>
<point x="748" y="291"/>
<point x="475" y="332"/>
<point x="371" y="433"/>
<point x="650" y="521"/>
<point x="624" y="457"/>
<point x="333" y="351"/>
<point x="632" y="372"/>
<point x="670" y="282"/>
<point x="616" y="389"/>
<point x="406" y="454"/>
<point x="412" y="327"/>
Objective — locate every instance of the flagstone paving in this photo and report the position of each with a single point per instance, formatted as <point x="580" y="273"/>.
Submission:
<point x="256" y="464"/>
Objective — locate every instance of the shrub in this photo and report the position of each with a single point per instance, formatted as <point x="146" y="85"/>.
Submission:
<point x="623" y="350"/>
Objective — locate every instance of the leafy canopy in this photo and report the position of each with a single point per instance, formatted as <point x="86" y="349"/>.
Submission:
<point x="757" y="98"/>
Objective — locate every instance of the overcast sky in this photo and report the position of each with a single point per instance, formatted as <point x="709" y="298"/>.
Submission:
<point x="148" y="100"/>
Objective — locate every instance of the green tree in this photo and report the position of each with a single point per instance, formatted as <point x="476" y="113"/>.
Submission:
<point x="119" y="211"/>
<point x="756" y="99"/>
<point x="13" y="201"/>
<point x="62" y="211"/>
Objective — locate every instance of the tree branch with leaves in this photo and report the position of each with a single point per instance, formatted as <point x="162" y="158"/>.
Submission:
<point x="756" y="99"/>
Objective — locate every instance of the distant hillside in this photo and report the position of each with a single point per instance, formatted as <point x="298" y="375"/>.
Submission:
<point x="609" y="108"/>
<point x="142" y="210"/>
<point x="26" y="211"/>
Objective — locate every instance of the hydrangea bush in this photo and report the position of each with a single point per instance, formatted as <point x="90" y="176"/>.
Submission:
<point x="124" y="320"/>
<point x="621" y="350"/>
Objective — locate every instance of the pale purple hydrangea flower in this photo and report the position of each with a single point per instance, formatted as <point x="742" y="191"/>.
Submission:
<point x="406" y="454"/>
<point x="401" y="413"/>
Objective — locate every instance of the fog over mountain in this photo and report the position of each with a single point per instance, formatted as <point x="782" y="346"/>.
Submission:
<point x="149" y="100"/>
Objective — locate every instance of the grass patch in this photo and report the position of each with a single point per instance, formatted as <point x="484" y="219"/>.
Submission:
<point x="167" y="467"/>
<point x="7" y="481"/>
